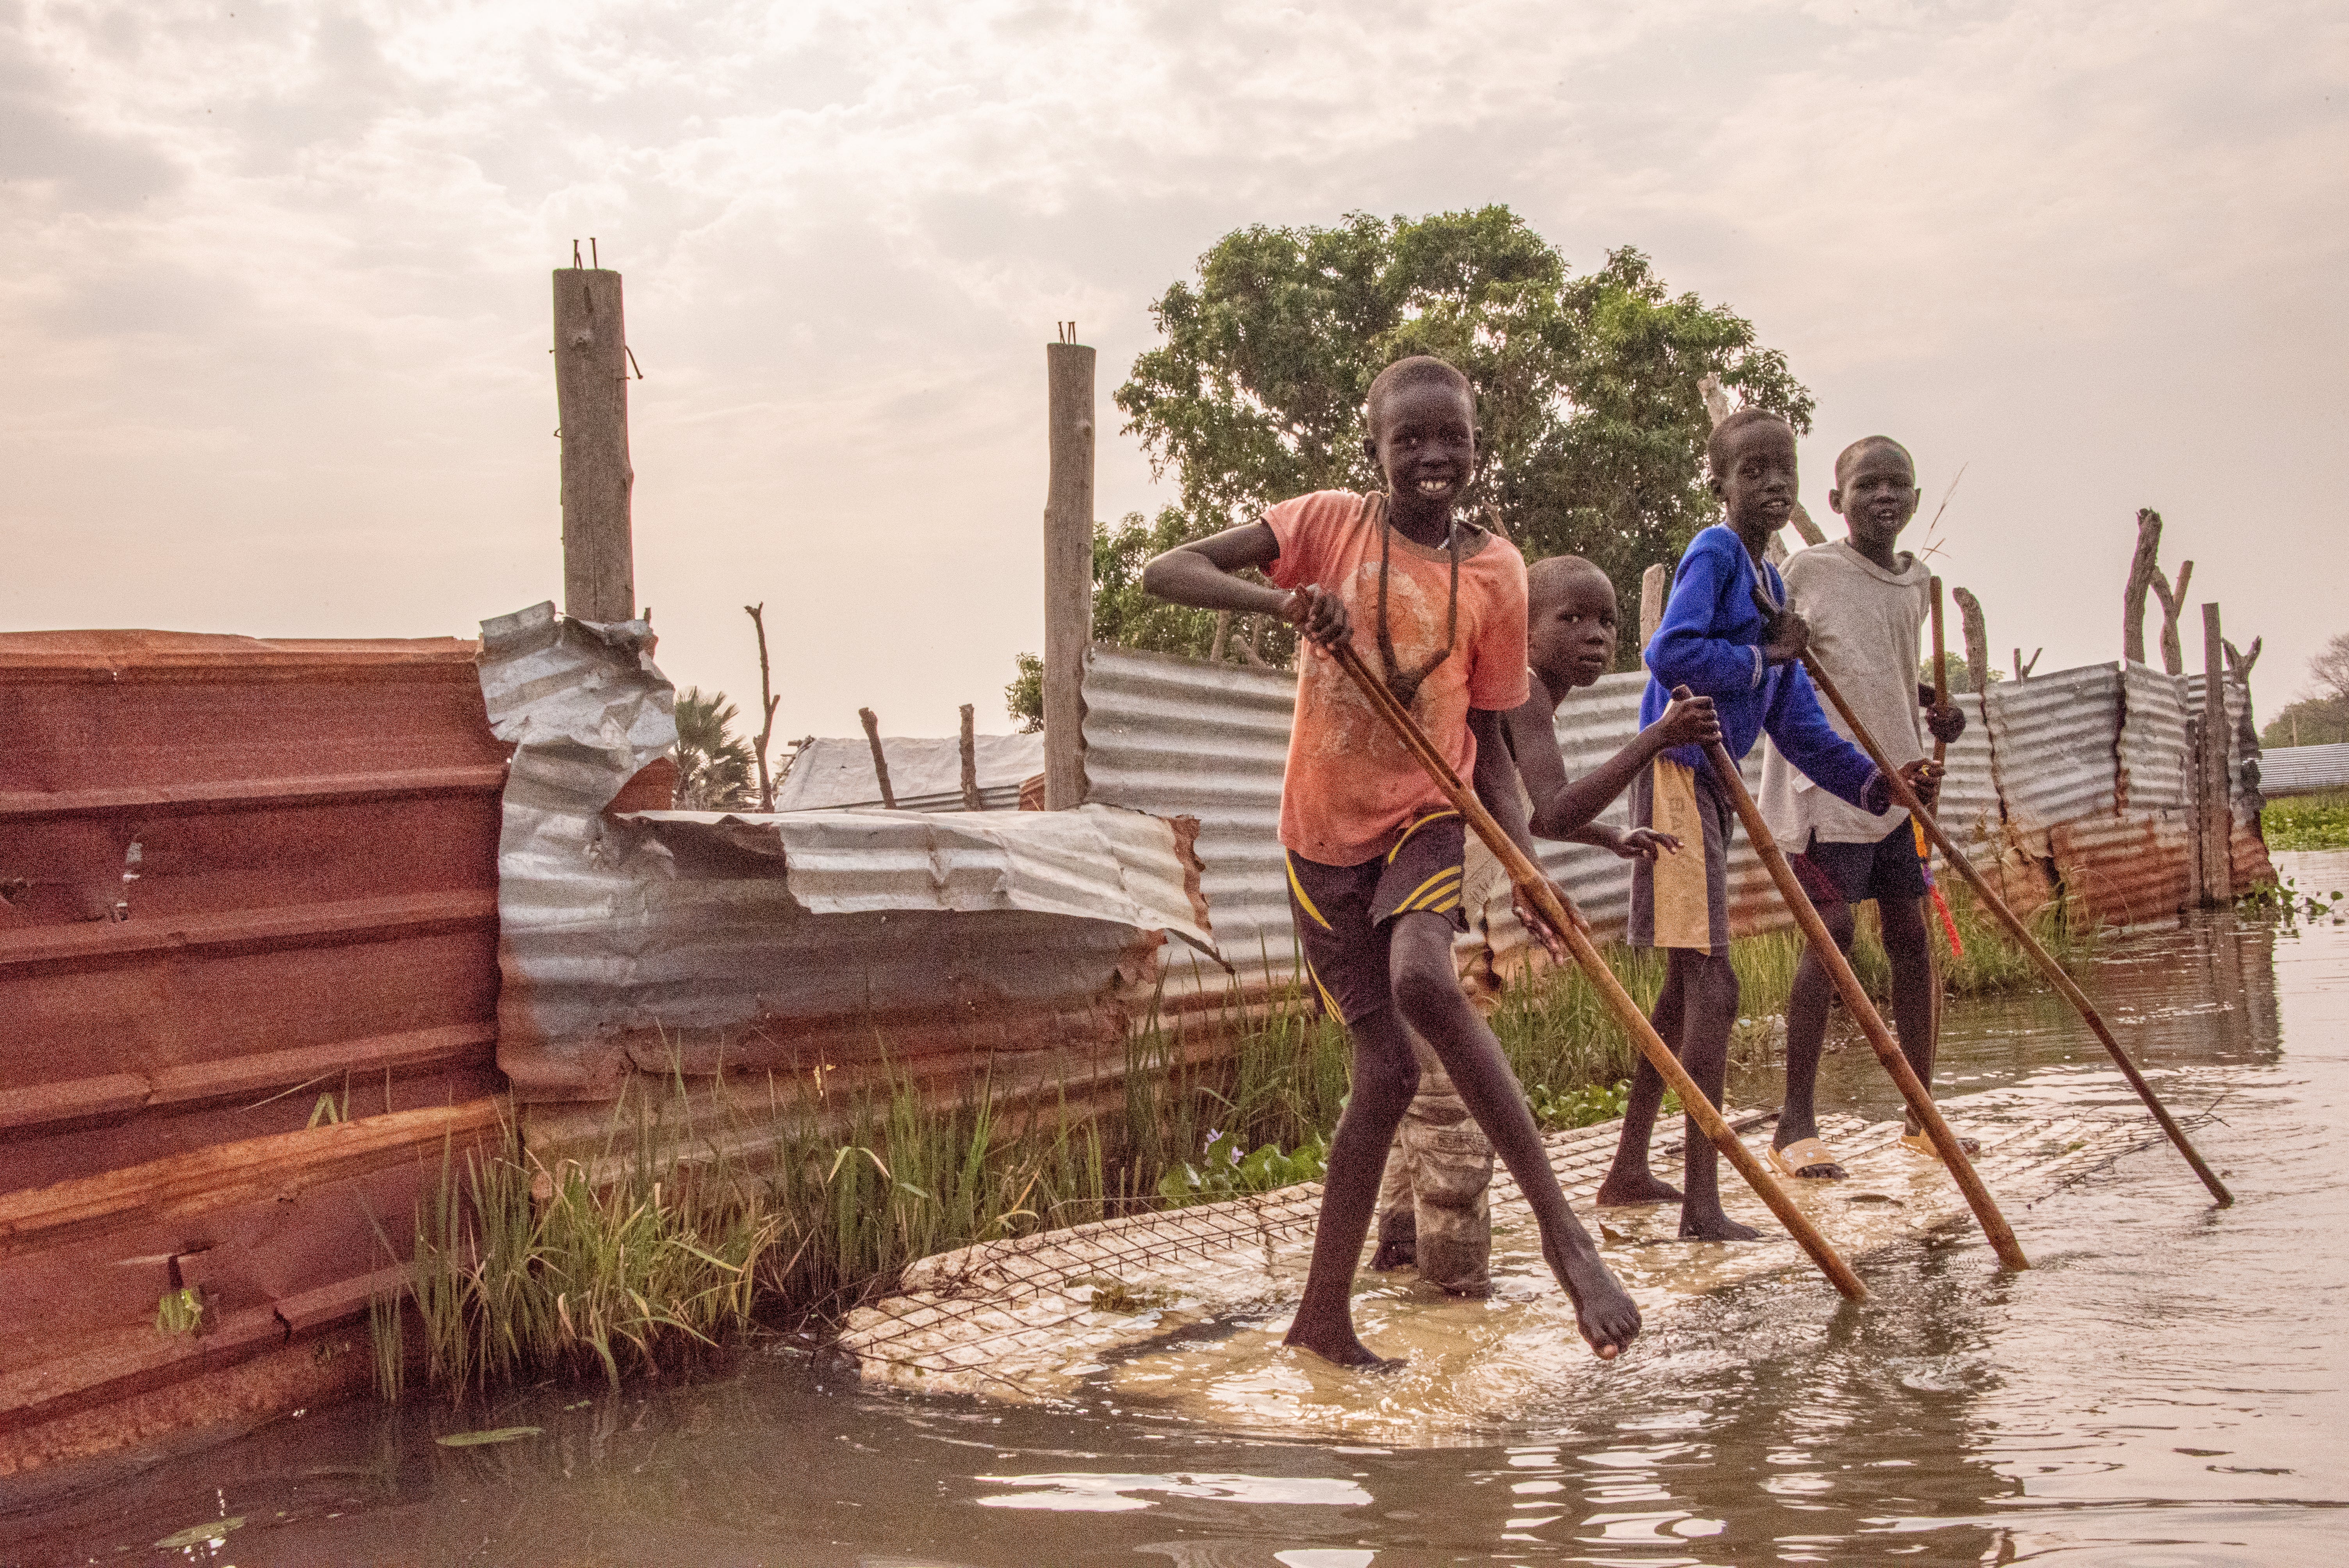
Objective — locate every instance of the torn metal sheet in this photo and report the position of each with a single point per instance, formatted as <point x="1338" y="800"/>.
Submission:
<point x="925" y="773"/>
<point x="792" y="942"/>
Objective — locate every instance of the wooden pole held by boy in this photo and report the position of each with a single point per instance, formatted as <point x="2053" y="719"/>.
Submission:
<point x="1068" y="567"/>
<point x="2217" y="810"/>
<point x="1530" y="879"/>
<point x="1863" y="1011"/>
<point x="591" y="396"/>
<point x="2054" y="972"/>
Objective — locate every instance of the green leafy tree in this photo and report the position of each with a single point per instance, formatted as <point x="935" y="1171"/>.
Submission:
<point x="1960" y="674"/>
<point x="1592" y="425"/>
<point x="714" y="765"/>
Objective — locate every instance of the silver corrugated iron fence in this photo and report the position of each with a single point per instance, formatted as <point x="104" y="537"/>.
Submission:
<point x="2067" y="780"/>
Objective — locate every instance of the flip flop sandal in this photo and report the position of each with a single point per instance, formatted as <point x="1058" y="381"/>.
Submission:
<point x="1805" y="1155"/>
<point x="1921" y="1143"/>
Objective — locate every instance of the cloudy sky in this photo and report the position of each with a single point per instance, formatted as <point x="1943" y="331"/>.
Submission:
<point x="276" y="295"/>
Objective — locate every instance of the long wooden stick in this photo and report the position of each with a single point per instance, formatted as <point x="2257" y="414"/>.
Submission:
<point x="1871" y="1023"/>
<point x="2022" y="934"/>
<point x="1537" y="890"/>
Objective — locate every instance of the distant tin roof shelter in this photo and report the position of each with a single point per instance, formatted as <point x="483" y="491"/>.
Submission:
<point x="2296" y="770"/>
<point x="925" y="773"/>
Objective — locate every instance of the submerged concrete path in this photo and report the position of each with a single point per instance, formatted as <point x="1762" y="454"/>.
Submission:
<point x="1188" y="1305"/>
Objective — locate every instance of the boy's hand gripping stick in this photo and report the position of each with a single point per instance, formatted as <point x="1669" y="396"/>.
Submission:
<point x="1537" y="891"/>
<point x="1871" y="1023"/>
<point x="2021" y="934"/>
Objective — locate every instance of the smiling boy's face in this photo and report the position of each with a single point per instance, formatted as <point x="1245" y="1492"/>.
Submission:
<point x="1877" y="495"/>
<point x="1424" y="442"/>
<point x="1757" y="481"/>
<point x="1570" y="626"/>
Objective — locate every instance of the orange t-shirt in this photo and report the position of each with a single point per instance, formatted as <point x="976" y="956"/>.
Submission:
<point x="1350" y="786"/>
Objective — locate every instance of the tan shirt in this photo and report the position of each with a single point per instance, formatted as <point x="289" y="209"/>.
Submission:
<point x="1865" y="623"/>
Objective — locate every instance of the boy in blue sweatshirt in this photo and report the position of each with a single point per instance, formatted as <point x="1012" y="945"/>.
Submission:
<point x="1726" y="635"/>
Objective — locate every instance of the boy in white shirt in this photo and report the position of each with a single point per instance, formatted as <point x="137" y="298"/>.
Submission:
<point x="1865" y="604"/>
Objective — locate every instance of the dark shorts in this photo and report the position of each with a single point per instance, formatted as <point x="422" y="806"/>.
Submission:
<point x="1681" y="899"/>
<point x="1854" y="873"/>
<point x="1341" y="911"/>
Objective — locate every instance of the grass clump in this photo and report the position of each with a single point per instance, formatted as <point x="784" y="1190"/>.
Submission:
<point x="2307" y="822"/>
<point x="671" y="1244"/>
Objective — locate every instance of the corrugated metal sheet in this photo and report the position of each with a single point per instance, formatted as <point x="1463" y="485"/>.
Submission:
<point x="2054" y="745"/>
<point x="925" y="773"/>
<point x="793" y="943"/>
<point x="2287" y="770"/>
<point x="242" y="874"/>
<point x="1182" y="737"/>
<point x="2155" y="765"/>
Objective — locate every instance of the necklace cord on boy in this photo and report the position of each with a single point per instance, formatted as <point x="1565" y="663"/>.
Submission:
<point x="1405" y="684"/>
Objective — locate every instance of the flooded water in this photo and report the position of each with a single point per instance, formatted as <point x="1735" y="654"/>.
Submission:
<point x="2165" y="1386"/>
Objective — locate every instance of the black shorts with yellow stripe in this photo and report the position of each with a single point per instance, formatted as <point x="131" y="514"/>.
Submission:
<point x="1343" y="912"/>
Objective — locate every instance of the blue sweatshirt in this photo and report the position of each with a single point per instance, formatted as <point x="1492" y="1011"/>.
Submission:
<point x="1710" y="642"/>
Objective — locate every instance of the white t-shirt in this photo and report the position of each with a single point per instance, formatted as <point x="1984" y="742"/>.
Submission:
<point x="1865" y="623"/>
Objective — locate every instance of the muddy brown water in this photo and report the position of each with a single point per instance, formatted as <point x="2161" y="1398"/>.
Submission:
<point x="2164" y="1387"/>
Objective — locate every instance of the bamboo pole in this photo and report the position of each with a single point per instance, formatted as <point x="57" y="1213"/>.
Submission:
<point x="1537" y="890"/>
<point x="2021" y="934"/>
<point x="1855" y="1000"/>
<point x="1925" y="846"/>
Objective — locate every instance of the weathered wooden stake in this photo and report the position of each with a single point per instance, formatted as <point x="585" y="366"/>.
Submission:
<point x="2023" y="667"/>
<point x="2140" y="577"/>
<point x="591" y="394"/>
<point x="2218" y="813"/>
<point x="1652" y="583"/>
<point x="1977" y="633"/>
<point x="2173" y="605"/>
<point x="766" y="701"/>
<point x="1067" y="569"/>
<point x="880" y="758"/>
<point x="970" y="800"/>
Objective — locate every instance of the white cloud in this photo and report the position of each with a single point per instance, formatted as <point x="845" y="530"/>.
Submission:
<point x="277" y="305"/>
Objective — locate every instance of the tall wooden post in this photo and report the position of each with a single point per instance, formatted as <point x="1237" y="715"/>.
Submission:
<point x="971" y="800"/>
<point x="2218" y="810"/>
<point x="1068" y="570"/>
<point x="1654" y="582"/>
<point x="591" y="393"/>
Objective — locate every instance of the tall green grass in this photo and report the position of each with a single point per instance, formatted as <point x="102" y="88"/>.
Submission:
<point x="521" y="1270"/>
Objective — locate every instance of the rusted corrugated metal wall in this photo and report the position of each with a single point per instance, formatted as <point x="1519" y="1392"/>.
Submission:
<point x="240" y="876"/>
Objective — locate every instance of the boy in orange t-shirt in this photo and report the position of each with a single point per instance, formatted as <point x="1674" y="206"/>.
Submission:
<point x="1374" y="851"/>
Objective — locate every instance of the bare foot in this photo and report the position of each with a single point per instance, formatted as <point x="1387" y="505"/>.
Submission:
<point x="1342" y="1349"/>
<point x="1715" y="1227"/>
<point x="1621" y="1191"/>
<point x="1604" y="1312"/>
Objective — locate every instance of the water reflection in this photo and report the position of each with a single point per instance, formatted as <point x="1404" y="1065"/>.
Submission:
<point x="2163" y="1386"/>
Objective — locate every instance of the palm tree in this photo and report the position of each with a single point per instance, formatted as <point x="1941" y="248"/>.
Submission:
<point x="713" y="766"/>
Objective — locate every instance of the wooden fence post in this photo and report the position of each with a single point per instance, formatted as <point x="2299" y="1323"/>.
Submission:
<point x="1068" y="567"/>
<point x="1652" y="583"/>
<point x="591" y="394"/>
<point x="970" y="797"/>
<point x="1977" y="636"/>
<point x="2218" y="809"/>
<point x="880" y="758"/>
